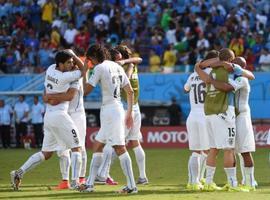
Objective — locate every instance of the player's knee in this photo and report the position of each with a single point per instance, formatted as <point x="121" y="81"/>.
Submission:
<point x="119" y="149"/>
<point x="65" y="153"/>
<point x="134" y="143"/>
<point x="47" y="155"/>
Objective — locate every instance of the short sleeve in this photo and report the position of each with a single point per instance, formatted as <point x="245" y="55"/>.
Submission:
<point x="237" y="70"/>
<point x="237" y="83"/>
<point x="124" y="80"/>
<point x="95" y="76"/>
<point x="75" y="84"/>
<point x="71" y="76"/>
<point x="187" y="84"/>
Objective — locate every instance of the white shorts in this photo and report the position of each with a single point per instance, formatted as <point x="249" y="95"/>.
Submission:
<point x="244" y="141"/>
<point x="197" y="133"/>
<point x="221" y="129"/>
<point x="112" y="125"/>
<point x="60" y="132"/>
<point x="135" y="132"/>
<point x="79" y="119"/>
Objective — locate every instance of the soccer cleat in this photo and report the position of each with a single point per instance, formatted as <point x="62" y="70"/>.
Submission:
<point x="110" y="181"/>
<point x="127" y="190"/>
<point x="100" y="181"/>
<point x="196" y="187"/>
<point x="249" y="188"/>
<point x="142" y="181"/>
<point x="202" y="181"/>
<point x="64" y="184"/>
<point x="15" y="180"/>
<point x="74" y="185"/>
<point x="86" y="188"/>
<point x="211" y="187"/>
<point x="189" y="186"/>
<point x="82" y="180"/>
<point x="237" y="189"/>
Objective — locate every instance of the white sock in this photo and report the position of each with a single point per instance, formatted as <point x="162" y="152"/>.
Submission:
<point x="126" y="165"/>
<point x="140" y="158"/>
<point x="106" y="161"/>
<point x="95" y="164"/>
<point x="76" y="165"/>
<point x="249" y="177"/>
<point x="32" y="162"/>
<point x="114" y="156"/>
<point x="210" y="172"/>
<point x="231" y="176"/>
<point x="84" y="163"/>
<point x="194" y="167"/>
<point x="242" y="167"/>
<point x="65" y="162"/>
<point x="203" y="165"/>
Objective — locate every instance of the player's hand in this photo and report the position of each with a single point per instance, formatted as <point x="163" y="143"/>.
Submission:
<point x="129" y="121"/>
<point x="53" y="102"/>
<point x="71" y="52"/>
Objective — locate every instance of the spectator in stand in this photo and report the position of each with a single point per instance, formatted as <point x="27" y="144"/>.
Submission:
<point x="70" y="34"/>
<point x="82" y="39"/>
<point x="35" y="13"/>
<point x="5" y="122"/>
<point x="55" y="37"/>
<point x="44" y="55"/>
<point x="21" y="111"/>
<point x="154" y="62"/>
<point x="37" y="113"/>
<point x="169" y="60"/>
<point x="264" y="60"/>
<point x="237" y="45"/>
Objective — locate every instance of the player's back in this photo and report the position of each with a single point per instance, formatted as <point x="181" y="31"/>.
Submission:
<point x="242" y="95"/>
<point x="197" y="92"/>
<point x="112" y="78"/>
<point x="58" y="82"/>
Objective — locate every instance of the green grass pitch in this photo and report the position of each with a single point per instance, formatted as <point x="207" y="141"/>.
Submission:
<point x="166" y="170"/>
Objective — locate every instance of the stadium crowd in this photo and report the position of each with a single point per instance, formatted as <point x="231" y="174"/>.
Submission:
<point x="170" y="35"/>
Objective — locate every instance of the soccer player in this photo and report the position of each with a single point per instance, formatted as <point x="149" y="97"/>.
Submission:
<point x="196" y="127"/>
<point x="77" y="112"/>
<point x="220" y="119"/>
<point x="60" y="132"/>
<point x="244" y="140"/>
<point x="112" y="78"/>
<point x="133" y="135"/>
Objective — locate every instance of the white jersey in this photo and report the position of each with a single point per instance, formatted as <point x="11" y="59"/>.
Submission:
<point x="242" y="94"/>
<point x="112" y="78"/>
<point x="197" y="91"/>
<point x="77" y="104"/>
<point x="59" y="82"/>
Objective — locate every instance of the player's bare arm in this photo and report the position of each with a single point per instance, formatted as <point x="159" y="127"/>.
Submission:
<point x="130" y="99"/>
<point x="204" y="76"/>
<point x="60" y="97"/>
<point x="134" y="60"/>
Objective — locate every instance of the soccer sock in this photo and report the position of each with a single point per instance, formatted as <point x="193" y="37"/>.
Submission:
<point x="242" y="167"/>
<point x="126" y="166"/>
<point x="95" y="164"/>
<point x="114" y="156"/>
<point x="76" y="165"/>
<point x="210" y="172"/>
<point x="84" y="163"/>
<point x="194" y="167"/>
<point x="32" y="162"/>
<point x="106" y="161"/>
<point x="64" y="162"/>
<point x="249" y="177"/>
<point x="140" y="158"/>
<point x="231" y="176"/>
<point x="203" y="165"/>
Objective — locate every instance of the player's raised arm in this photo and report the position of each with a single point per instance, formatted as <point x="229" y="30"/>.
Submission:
<point x="203" y="75"/>
<point x="134" y="60"/>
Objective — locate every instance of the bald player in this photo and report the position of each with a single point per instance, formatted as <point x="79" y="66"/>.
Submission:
<point x="244" y="141"/>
